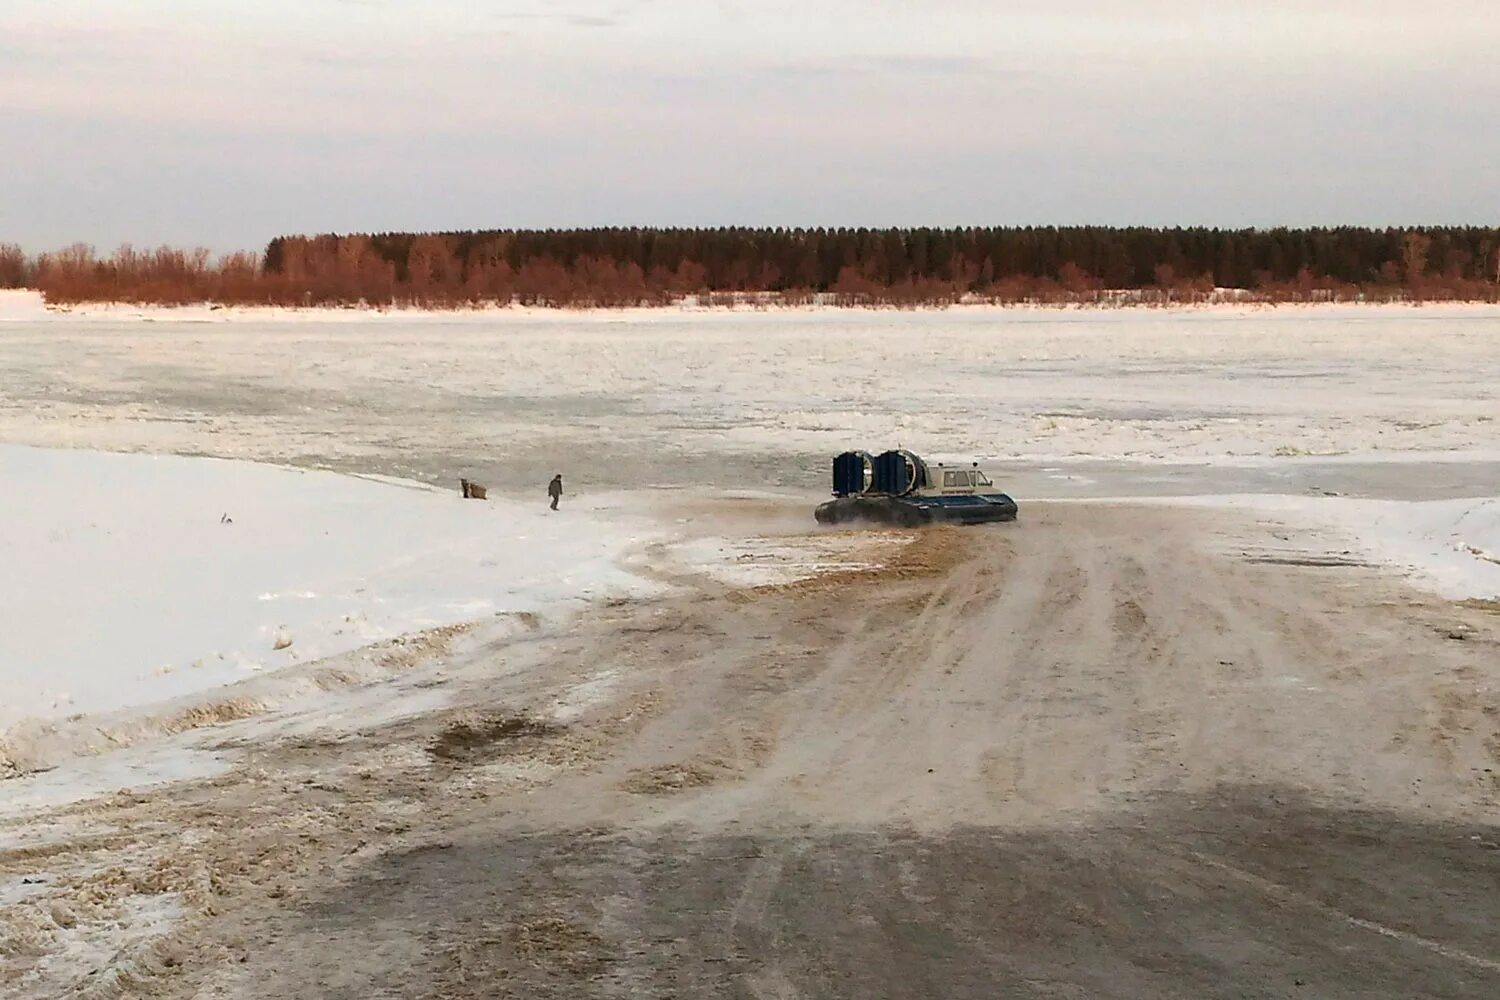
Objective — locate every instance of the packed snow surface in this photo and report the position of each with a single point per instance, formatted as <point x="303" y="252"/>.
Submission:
<point x="132" y="579"/>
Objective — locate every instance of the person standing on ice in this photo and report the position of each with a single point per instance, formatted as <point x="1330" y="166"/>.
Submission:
<point x="554" y="489"/>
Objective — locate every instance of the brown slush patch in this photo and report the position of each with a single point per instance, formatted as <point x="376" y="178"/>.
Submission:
<point x="486" y="739"/>
<point x="552" y="940"/>
<point x="893" y="554"/>
<point x="668" y="779"/>
<point x="549" y="944"/>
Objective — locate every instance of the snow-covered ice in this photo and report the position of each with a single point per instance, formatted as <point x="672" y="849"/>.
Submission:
<point x="761" y="398"/>
<point x="132" y="579"/>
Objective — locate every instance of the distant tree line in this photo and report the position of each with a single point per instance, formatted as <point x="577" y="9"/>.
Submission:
<point x="643" y="266"/>
<point x="163" y="276"/>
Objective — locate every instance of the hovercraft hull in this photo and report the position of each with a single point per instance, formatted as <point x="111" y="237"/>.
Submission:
<point x="915" y="510"/>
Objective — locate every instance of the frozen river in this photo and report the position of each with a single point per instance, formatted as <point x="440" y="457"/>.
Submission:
<point x="1394" y="402"/>
<point x="349" y="660"/>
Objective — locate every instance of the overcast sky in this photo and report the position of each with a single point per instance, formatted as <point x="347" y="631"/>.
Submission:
<point x="224" y="123"/>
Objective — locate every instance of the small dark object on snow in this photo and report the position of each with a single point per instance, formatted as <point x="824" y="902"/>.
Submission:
<point x="554" y="489"/>
<point x="225" y="519"/>
<point x="471" y="491"/>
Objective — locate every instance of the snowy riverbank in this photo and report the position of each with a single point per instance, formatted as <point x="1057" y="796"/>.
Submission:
<point x="147" y="596"/>
<point x="27" y="305"/>
<point x="136" y="579"/>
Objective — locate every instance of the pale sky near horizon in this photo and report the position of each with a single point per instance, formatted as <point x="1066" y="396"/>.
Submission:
<point x="223" y="123"/>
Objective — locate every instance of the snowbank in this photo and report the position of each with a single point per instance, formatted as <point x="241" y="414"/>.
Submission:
<point x="25" y="304"/>
<point x="21" y="304"/>
<point x="129" y="579"/>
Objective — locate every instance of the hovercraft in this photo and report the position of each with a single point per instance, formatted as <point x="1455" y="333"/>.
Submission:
<point x="898" y="488"/>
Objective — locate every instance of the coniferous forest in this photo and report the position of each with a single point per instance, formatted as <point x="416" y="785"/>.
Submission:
<point x="615" y="267"/>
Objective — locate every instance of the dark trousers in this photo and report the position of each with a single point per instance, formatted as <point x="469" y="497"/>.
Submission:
<point x="554" y="502"/>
